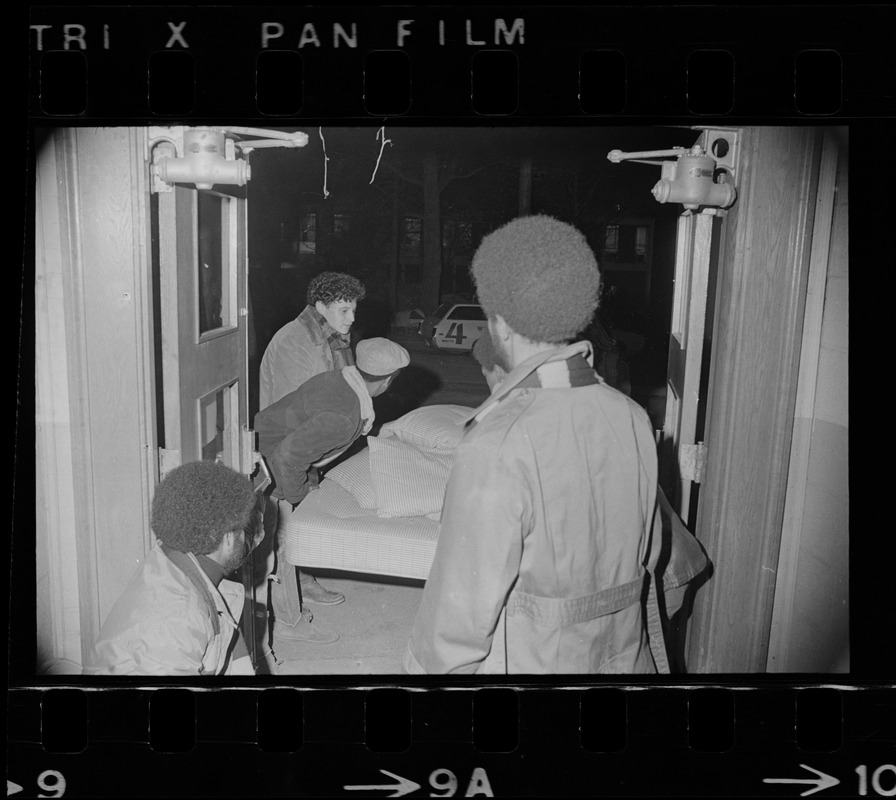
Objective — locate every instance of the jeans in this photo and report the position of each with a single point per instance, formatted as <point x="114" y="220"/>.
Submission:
<point x="283" y="586"/>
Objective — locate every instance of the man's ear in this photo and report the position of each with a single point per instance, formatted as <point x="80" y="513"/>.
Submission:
<point x="320" y="306"/>
<point x="232" y="539"/>
<point x="499" y="327"/>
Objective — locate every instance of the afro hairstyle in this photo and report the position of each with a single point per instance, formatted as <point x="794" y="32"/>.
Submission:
<point x="332" y="287"/>
<point x="197" y="503"/>
<point x="540" y="275"/>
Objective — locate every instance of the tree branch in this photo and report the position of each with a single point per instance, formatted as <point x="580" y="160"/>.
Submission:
<point x="403" y="175"/>
<point x="413" y="210"/>
<point x="444" y="182"/>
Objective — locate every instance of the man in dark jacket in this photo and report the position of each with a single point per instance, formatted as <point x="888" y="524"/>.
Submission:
<point x="316" y="341"/>
<point x="306" y="429"/>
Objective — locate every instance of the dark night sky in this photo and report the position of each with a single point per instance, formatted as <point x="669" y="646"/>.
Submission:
<point x="571" y="179"/>
<point x="353" y="152"/>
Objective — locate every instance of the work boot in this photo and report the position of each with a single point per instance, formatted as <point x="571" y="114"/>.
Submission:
<point x="313" y="592"/>
<point x="304" y="631"/>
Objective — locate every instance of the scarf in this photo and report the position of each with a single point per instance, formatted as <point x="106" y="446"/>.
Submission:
<point x="340" y="344"/>
<point x="359" y="385"/>
<point x="562" y="368"/>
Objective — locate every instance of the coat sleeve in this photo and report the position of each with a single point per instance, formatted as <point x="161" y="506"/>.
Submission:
<point x="476" y="563"/>
<point x="294" y="455"/>
<point x="290" y="364"/>
<point x="172" y="644"/>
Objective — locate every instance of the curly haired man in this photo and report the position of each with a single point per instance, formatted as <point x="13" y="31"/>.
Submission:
<point x="179" y="615"/>
<point x="316" y="341"/>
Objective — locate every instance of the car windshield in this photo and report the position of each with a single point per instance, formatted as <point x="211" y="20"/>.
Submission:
<point x="441" y="310"/>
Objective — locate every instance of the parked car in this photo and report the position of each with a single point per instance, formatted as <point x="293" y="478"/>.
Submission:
<point x="411" y="319"/>
<point x="454" y="326"/>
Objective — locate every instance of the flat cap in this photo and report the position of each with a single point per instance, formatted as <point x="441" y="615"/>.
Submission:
<point x="380" y="356"/>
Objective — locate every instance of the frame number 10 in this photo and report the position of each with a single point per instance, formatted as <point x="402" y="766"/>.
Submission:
<point x="878" y="780"/>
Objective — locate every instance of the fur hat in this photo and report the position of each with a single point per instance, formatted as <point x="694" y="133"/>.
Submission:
<point x="197" y="503"/>
<point x="540" y="275"/>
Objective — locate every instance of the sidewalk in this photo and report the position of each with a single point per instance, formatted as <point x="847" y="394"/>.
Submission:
<point x="374" y="624"/>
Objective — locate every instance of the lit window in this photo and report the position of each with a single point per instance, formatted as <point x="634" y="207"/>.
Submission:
<point x="611" y="242"/>
<point x="340" y="225"/>
<point x="641" y="242"/>
<point x="309" y="234"/>
<point x="411" y="241"/>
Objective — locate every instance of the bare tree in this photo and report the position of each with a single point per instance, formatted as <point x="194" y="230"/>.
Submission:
<point x="432" y="175"/>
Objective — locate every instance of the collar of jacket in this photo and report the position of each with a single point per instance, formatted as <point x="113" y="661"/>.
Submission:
<point x="358" y="384"/>
<point x="188" y="564"/>
<point x="516" y="376"/>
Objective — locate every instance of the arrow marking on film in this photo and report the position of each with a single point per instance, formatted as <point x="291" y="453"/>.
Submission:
<point x="12" y="788"/>
<point x="404" y="786"/>
<point x="823" y="781"/>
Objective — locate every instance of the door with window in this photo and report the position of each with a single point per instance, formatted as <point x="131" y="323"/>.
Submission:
<point x="203" y="316"/>
<point x="200" y="266"/>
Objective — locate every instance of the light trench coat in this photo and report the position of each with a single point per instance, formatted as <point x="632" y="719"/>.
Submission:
<point x="544" y="534"/>
<point x="162" y="625"/>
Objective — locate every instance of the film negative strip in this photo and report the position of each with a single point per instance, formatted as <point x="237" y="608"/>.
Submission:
<point x="321" y="129"/>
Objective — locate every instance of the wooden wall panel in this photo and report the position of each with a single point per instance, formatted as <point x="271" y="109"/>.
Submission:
<point x="810" y="624"/>
<point x="110" y="358"/>
<point x="57" y="596"/>
<point x="758" y="322"/>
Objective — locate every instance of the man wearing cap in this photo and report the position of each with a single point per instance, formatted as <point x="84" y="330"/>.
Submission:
<point x="307" y="428"/>
<point x="548" y="511"/>
<point x="316" y="341"/>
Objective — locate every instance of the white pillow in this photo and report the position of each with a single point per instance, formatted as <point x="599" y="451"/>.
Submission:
<point x="407" y="480"/>
<point x="353" y="475"/>
<point x="435" y="427"/>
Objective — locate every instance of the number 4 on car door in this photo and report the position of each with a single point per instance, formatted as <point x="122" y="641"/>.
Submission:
<point x="456" y="332"/>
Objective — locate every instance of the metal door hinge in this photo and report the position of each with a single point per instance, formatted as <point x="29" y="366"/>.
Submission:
<point x="248" y="455"/>
<point x="691" y="462"/>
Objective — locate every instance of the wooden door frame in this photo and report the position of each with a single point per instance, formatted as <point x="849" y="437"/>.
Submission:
<point x="759" y="307"/>
<point x="103" y="441"/>
<point x="784" y="627"/>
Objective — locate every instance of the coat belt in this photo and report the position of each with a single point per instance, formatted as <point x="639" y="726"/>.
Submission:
<point x="569" y="611"/>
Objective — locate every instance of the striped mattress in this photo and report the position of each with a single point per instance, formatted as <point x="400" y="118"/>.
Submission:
<point x="330" y="530"/>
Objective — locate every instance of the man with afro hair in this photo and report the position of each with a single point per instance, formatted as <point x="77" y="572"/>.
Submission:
<point x="316" y="341"/>
<point x="539" y="566"/>
<point x="180" y="614"/>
